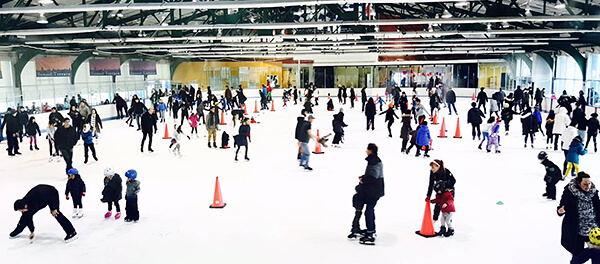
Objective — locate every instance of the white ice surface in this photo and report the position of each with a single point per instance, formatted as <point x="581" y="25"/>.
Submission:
<point x="277" y="213"/>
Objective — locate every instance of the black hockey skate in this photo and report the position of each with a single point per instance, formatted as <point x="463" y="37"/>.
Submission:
<point x="368" y="239"/>
<point x="357" y="234"/>
<point x="442" y="231"/>
<point x="449" y="233"/>
<point x="71" y="237"/>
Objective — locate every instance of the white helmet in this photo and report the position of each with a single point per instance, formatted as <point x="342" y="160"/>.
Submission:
<point x="109" y="171"/>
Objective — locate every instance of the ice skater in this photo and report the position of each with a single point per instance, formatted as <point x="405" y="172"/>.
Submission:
<point x="474" y="118"/>
<point x="148" y="128"/>
<point x="370" y="112"/>
<point x="35" y="200"/>
<point x="507" y="115"/>
<point x="193" y="121"/>
<point x="575" y="150"/>
<point x="88" y="143"/>
<point x="486" y="131"/>
<point x="445" y="201"/>
<point x="32" y="128"/>
<point x="373" y="184"/>
<point x="552" y="176"/>
<point x="439" y="173"/>
<point x="423" y="140"/>
<point x="406" y="129"/>
<point x="243" y="138"/>
<point x="390" y="115"/>
<point x="413" y="139"/>
<point x="162" y="109"/>
<point x="113" y="192"/>
<point x="76" y="188"/>
<point x="212" y="125"/>
<point x="338" y="128"/>
<point x="494" y="137"/>
<point x="131" y="197"/>
<point x="51" y="144"/>
<point x="358" y="204"/>
<point x="549" y="129"/>
<point x="529" y="125"/>
<point x="592" y="130"/>
<point x="175" y="146"/>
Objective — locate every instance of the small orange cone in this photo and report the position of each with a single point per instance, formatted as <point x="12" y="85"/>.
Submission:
<point x="457" y="134"/>
<point x="443" y="129"/>
<point x="318" y="146"/>
<point x="245" y="110"/>
<point x="356" y="98"/>
<point x="435" y="122"/>
<point x="166" y="132"/>
<point x="273" y="106"/>
<point x="222" y="119"/>
<point x="218" y="200"/>
<point x="473" y="98"/>
<point x="427" y="226"/>
<point x="255" y="107"/>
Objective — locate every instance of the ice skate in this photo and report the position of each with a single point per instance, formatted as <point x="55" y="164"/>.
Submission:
<point x="36" y="147"/>
<point x="71" y="237"/>
<point x="118" y="215"/>
<point x="441" y="232"/>
<point x="108" y="214"/>
<point x="356" y="234"/>
<point x="74" y="213"/>
<point x="80" y="213"/>
<point x="449" y="233"/>
<point x="368" y="239"/>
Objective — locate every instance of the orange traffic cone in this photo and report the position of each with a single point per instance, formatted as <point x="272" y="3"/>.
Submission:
<point x="245" y="110"/>
<point x="473" y="98"/>
<point x="218" y="200"/>
<point x="166" y="132"/>
<point x="255" y="107"/>
<point x="434" y="122"/>
<point x="222" y="119"/>
<point x="457" y="134"/>
<point x="318" y="146"/>
<point x="273" y="106"/>
<point x="427" y="226"/>
<point x="443" y="129"/>
<point x="356" y="98"/>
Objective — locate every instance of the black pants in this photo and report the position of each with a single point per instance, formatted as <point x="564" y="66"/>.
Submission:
<point x="119" y="112"/>
<point x="77" y="200"/>
<point x="437" y="209"/>
<point x="238" y="150"/>
<point x="110" y="204"/>
<point x="389" y="126"/>
<point x="506" y="124"/>
<point x="476" y="128"/>
<point x="52" y="146"/>
<point x="27" y="219"/>
<point x="419" y="150"/>
<point x="149" y="135"/>
<point x="131" y="209"/>
<point x="590" y="136"/>
<point x="480" y="105"/>
<point x="184" y="116"/>
<point x="13" y="143"/>
<point x="371" y="122"/>
<point x="337" y="138"/>
<point x="358" y="205"/>
<point x="410" y="147"/>
<point x="351" y="103"/>
<point x="404" y="142"/>
<point x="556" y="141"/>
<point x="68" y="156"/>
<point x="363" y="104"/>
<point x="420" y="119"/>
<point x="194" y="129"/>
<point x="530" y="136"/>
<point x="551" y="190"/>
<point x="87" y="147"/>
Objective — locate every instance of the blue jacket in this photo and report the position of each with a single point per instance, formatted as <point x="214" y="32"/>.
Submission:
<point x="575" y="149"/>
<point x="87" y="137"/>
<point x="538" y="116"/>
<point x="423" y="136"/>
<point x="162" y="107"/>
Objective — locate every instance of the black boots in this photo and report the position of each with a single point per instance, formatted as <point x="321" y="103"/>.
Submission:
<point x="442" y="231"/>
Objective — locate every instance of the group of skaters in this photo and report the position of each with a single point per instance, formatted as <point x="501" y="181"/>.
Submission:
<point x="62" y="133"/>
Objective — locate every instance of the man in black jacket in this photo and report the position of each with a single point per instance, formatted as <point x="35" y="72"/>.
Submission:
<point x="138" y="110"/>
<point x="474" y="118"/>
<point x="519" y="98"/>
<point x="36" y="199"/>
<point x="373" y="188"/>
<point x="23" y="120"/>
<point x="65" y="138"/>
<point x="363" y="97"/>
<point x="451" y="100"/>
<point x="55" y="117"/>
<point x="482" y="99"/>
<point x="121" y="105"/>
<point x="552" y="177"/>
<point x="148" y="124"/>
<point x="11" y="122"/>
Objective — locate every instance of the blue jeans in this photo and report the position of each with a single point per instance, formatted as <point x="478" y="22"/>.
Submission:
<point x="305" y="157"/>
<point x="486" y="135"/>
<point x="370" y="214"/>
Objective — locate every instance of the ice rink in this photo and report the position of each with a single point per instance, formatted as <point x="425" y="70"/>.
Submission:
<point x="278" y="213"/>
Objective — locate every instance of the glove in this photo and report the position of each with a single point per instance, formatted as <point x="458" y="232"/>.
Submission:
<point x="67" y="197"/>
<point x="83" y="194"/>
<point x="427" y="199"/>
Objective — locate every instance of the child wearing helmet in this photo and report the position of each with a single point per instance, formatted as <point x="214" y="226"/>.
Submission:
<point x="131" y="205"/>
<point x="445" y="200"/>
<point x="592" y="252"/>
<point x="552" y="177"/>
<point x="75" y="187"/>
<point x="113" y="192"/>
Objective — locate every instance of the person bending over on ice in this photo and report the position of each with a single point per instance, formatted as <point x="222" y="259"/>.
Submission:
<point x="552" y="177"/>
<point x="439" y="173"/>
<point x="36" y="199"/>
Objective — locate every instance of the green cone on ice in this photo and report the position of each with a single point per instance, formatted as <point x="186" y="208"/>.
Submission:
<point x="500" y="203"/>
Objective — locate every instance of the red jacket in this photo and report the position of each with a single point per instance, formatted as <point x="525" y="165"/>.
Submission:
<point x="445" y="198"/>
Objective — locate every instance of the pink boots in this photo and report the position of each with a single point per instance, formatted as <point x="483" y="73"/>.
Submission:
<point x="107" y="215"/>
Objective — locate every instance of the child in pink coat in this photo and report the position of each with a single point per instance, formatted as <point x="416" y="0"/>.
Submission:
<point x="193" y="120"/>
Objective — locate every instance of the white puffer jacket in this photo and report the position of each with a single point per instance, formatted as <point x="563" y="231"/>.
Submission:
<point x="561" y="121"/>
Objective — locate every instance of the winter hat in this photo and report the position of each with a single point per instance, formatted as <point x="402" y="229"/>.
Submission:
<point x="20" y="204"/>
<point x="578" y="139"/>
<point x="132" y="174"/>
<point x="109" y="171"/>
<point x="72" y="171"/>
<point x="542" y="155"/>
<point x="341" y="109"/>
<point x="594" y="115"/>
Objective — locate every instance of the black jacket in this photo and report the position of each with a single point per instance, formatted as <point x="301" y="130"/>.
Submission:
<point x="299" y="123"/>
<point x="23" y="118"/>
<point x="372" y="180"/>
<point x="593" y="126"/>
<point x="75" y="187"/>
<point x="36" y="199"/>
<point x="363" y="94"/>
<point x="389" y="115"/>
<point x="370" y="110"/>
<point x="149" y="122"/>
<point x="406" y="128"/>
<point x="66" y="138"/>
<point x="482" y="97"/>
<point x="56" y="118"/>
<point x="32" y="129"/>
<point x="519" y="94"/>
<point x="507" y="114"/>
<point x="579" y="118"/>
<point x="11" y="123"/>
<point x="553" y="174"/>
<point x="338" y="122"/>
<point x="451" y="97"/>
<point x="445" y="176"/>
<point x="138" y="108"/>
<point x="120" y="102"/>
<point x="570" y="225"/>
<point x="113" y="189"/>
<point x="474" y="116"/>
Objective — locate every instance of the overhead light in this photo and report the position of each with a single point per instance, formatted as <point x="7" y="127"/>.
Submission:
<point x="141" y="34"/>
<point x="219" y="32"/>
<point x="528" y="11"/>
<point x="560" y="5"/>
<point x="164" y="24"/>
<point x="461" y="4"/>
<point x="505" y="24"/>
<point x="45" y="2"/>
<point x="119" y="14"/>
<point x="376" y="28"/>
<point x="489" y="26"/>
<point x="446" y="14"/>
<point x="42" y="19"/>
<point x="252" y="19"/>
<point x="430" y="28"/>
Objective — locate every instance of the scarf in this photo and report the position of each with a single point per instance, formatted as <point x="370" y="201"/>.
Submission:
<point x="585" y="208"/>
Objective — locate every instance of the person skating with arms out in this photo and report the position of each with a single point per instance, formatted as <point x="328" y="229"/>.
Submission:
<point x="175" y="146"/>
<point x="390" y="115"/>
<point x="131" y="197"/>
<point x="113" y="192"/>
<point x="76" y="188"/>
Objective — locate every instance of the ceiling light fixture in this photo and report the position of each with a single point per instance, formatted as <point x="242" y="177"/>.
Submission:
<point x="446" y="14"/>
<point x="164" y="24"/>
<point x="461" y="4"/>
<point x="505" y="24"/>
<point x="489" y="26"/>
<point x="120" y="14"/>
<point x="430" y="28"/>
<point x="45" y="2"/>
<point x="42" y="19"/>
<point x="560" y="5"/>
